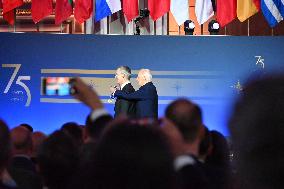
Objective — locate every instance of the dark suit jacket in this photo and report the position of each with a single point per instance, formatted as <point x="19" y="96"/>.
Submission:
<point x="146" y="100"/>
<point x="192" y="176"/>
<point x="123" y="106"/>
<point x="23" y="172"/>
<point x="24" y="163"/>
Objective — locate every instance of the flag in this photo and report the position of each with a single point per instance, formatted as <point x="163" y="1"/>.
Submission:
<point x="9" y="17"/>
<point x="179" y="10"/>
<point x="105" y="8"/>
<point x="203" y="10"/>
<point x="41" y="9"/>
<point x="247" y="8"/>
<point x="114" y="5"/>
<point x="63" y="10"/>
<point x="8" y="9"/>
<point x="102" y="10"/>
<point x="158" y="8"/>
<point x="273" y="11"/>
<point x="130" y="9"/>
<point x="83" y="10"/>
<point x="226" y="11"/>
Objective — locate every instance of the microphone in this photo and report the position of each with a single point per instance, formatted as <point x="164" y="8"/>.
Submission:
<point x="111" y="97"/>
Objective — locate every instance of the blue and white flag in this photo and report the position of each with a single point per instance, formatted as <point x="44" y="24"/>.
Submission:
<point x="114" y="5"/>
<point x="273" y="11"/>
<point x="105" y="8"/>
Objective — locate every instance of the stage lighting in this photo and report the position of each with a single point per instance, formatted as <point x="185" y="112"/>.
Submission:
<point x="189" y="27"/>
<point x="213" y="27"/>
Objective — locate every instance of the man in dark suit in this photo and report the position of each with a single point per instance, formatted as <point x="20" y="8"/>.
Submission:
<point x="21" y="167"/>
<point x="146" y="97"/>
<point x="124" y="106"/>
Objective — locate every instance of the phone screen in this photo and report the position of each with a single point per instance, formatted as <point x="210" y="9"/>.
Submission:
<point x="56" y="86"/>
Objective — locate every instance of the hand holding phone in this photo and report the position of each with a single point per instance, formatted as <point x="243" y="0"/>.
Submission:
<point x="57" y="86"/>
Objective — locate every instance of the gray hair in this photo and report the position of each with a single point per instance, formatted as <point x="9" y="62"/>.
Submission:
<point x="126" y="71"/>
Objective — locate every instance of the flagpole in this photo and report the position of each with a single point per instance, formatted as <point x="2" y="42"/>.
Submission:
<point x="248" y="28"/>
<point x="14" y="26"/>
<point x="155" y="28"/>
<point x="37" y="27"/>
<point x="108" y="24"/>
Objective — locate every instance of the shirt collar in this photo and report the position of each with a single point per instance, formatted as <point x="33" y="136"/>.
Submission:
<point x="121" y="87"/>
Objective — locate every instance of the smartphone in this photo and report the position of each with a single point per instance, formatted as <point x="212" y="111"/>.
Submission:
<point x="57" y="86"/>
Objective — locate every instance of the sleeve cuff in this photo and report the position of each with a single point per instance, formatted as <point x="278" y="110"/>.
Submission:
<point x="182" y="161"/>
<point x="98" y="113"/>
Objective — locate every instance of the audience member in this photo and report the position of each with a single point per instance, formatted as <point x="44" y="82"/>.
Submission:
<point x="258" y="134"/>
<point x="99" y="117"/>
<point x="5" y="152"/>
<point x="205" y="146"/>
<point x="74" y="130"/>
<point x="187" y="118"/>
<point x="37" y="139"/>
<point x="58" y="160"/>
<point x="28" y="126"/>
<point x="22" y="168"/>
<point x="217" y="161"/>
<point x="129" y="156"/>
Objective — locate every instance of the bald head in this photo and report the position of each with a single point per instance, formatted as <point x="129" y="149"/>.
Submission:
<point x="187" y="117"/>
<point x="21" y="140"/>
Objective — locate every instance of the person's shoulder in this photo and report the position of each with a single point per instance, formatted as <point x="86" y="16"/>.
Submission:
<point x="129" y="85"/>
<point x="129" y="88"/>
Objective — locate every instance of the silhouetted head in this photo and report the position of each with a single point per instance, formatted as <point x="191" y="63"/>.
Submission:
<point x="5" y="145"/>
<point x="187" y="117"/>
<point x="257" y="129"/>
<point x="58" y="160"/>
<point x="131" y="156"/>
<point x="74" y="130"/>
<point x="21" y="139"/>
<point x="28" y="126"/>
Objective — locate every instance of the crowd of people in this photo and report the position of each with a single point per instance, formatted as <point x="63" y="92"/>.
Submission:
<point x="176" y="151"/>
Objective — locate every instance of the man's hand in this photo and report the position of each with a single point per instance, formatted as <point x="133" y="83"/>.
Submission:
<point x="86" y="94"/>
<point x="112" y="89"/>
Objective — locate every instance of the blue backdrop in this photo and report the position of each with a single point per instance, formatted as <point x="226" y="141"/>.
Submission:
<point x="208" y="70"/>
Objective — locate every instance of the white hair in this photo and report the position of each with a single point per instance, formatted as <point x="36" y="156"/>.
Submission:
<point x="147" y="74"/>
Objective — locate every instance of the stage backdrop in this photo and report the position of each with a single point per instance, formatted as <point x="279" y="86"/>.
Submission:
<point x="208" y="70"/>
